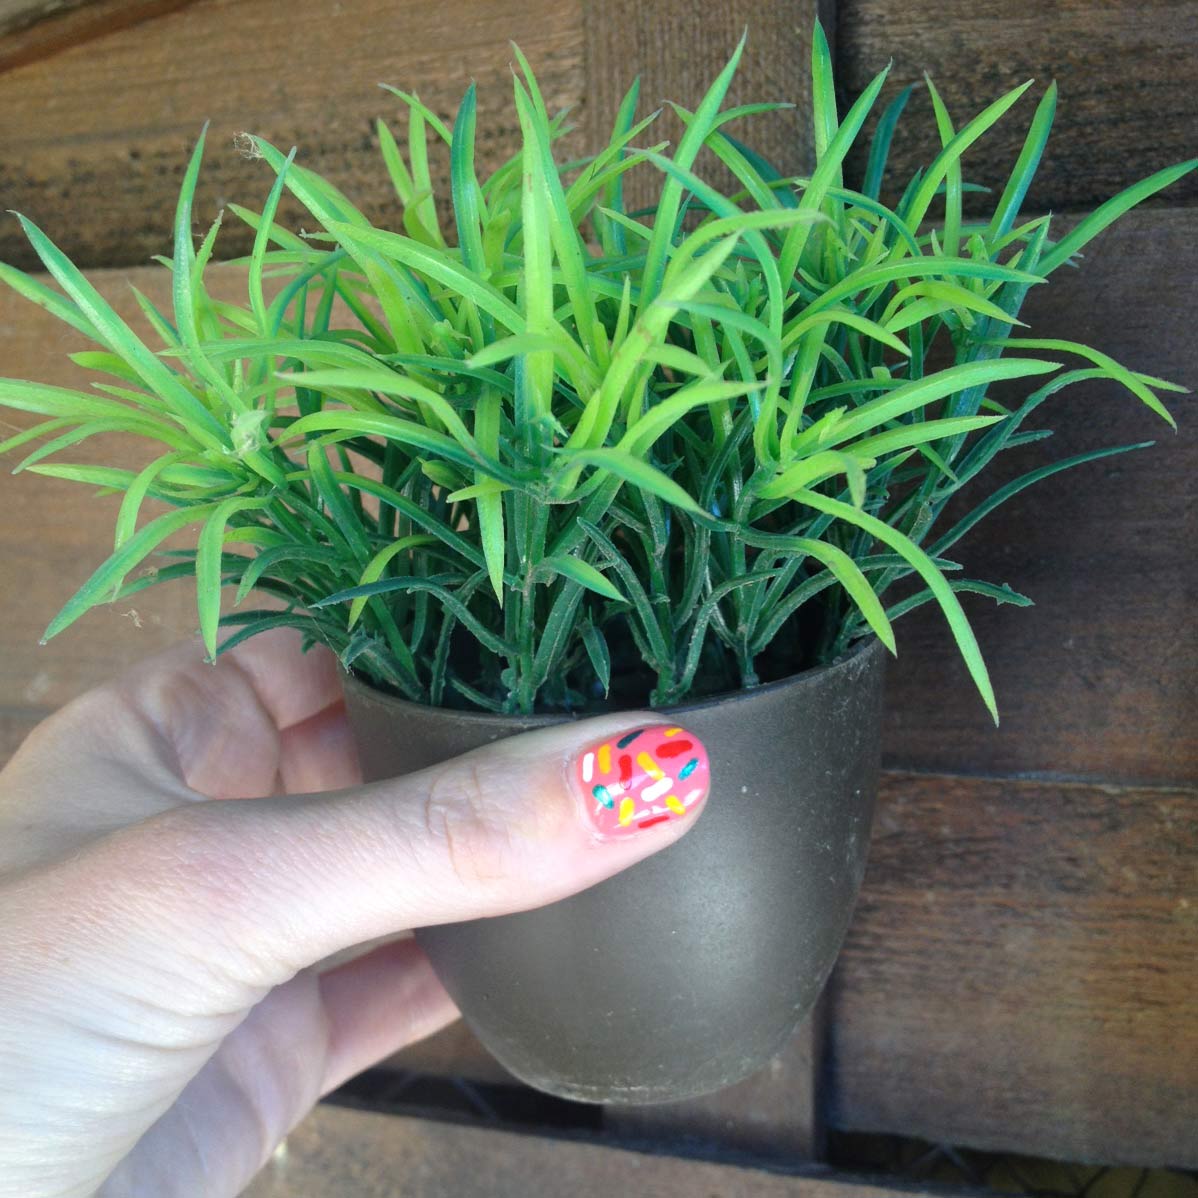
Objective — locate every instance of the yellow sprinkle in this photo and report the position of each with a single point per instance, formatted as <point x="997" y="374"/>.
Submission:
<point x="626" y="809"/>
<point x="605" y="759"/>
<point x="674" y="803"/>
<point x="673" y="731"/>
<point x="649" y="765"/>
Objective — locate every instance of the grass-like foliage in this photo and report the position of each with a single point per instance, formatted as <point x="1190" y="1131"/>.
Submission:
<point x="563" y="453"/>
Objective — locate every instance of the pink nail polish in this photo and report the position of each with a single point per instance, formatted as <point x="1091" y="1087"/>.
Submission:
<point x="642" y="778"/>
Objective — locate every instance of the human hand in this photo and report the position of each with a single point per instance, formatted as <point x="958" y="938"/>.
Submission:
<point x="163" y="1018"/>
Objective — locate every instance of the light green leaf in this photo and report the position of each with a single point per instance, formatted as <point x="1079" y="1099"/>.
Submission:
<point x="581" y="572"/>
<point x="926" y="569"/>
<point x="633" y="470"/>
<point x="209" y="554"/>
<point x="377" y="564"/>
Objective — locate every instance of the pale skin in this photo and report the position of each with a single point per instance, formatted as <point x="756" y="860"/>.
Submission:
<point x="164" y="1016"/>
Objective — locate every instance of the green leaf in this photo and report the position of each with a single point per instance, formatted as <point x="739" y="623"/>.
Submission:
<point x="114" y="333"/>
<point x="436" y="264"/>
<point x="926" y="569"/>
<point x="262" y="234"/>
<point x="879" y="147"/>
<point x="377" y="564"/>
<point x="849" y="575"/>
<point x="921" y="392"/>
<point x="581" y="572"/>
<point x="387" y="382"/>
<point x="668" y="205"/>
<point x="905" y="436"/>
<point x="491" y="531"/>
<point x="126" y="521"/>
<point x="109" y="576"/>
<point x="467" y="196"/>
<point x="1114" y="370"/>
<point x="1007" y="210"/>
<point x="209" y="552"/>
<point x="265" y="564"/>
<point x="1106" y="214"/>
<point x="385" y="586"/>
<point x="954" y="534"/>
<point x="45" y="297"/>
<point x="633" y="470"/>
<point x="928" y="186"/>
<point x="32" y="434"/>
<point x="599" y="655"/>
<point x="389" y="428"/>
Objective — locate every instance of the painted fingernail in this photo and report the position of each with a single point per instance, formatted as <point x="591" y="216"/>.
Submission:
<point x="642" y="778"/>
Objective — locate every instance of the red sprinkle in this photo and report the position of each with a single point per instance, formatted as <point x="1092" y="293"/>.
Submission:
<point x="657" y="819"/>
<point x="674" y="748"/>
<point x="625" y="768"/>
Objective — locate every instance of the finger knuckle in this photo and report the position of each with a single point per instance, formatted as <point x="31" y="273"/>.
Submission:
<point x="468" y="827"/>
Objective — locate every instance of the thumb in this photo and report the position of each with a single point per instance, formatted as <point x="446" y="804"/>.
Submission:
<point x="269" y="886"/>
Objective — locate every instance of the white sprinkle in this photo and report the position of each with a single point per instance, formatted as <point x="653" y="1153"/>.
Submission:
<point x="660" y="787"/>
<point x="588" y="767"/>
<point x="690" y="798"/>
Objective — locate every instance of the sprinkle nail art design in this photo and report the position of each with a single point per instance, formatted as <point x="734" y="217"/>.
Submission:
<point x="642" y="778"/>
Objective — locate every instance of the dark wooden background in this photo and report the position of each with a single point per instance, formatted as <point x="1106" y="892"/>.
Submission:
<point x="1022" y="972"/>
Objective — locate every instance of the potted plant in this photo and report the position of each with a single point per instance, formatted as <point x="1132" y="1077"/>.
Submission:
<point x="561" y="457"/>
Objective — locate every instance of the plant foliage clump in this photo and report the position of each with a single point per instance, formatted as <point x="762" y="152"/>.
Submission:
<point x="564" y="453"/>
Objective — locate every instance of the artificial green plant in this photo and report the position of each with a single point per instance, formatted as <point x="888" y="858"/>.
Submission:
<point x="556" y="452"/>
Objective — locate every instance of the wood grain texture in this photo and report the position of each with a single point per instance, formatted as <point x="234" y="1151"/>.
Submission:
<point x="94" y="141"/>
<point x="20" y="14"/>
<point x="1127" y="71"/>
<point x="339" y="1153"/>
<point x="1022" y="971"/>
<point x="1100" y="679"/>
<point x="31" y="31"/>
<point x="677" y="49"/>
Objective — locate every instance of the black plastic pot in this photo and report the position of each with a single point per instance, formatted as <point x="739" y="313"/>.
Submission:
<point x="689" y="971"/>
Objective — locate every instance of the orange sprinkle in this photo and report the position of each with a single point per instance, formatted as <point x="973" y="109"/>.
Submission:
<point x="605" y="759"/>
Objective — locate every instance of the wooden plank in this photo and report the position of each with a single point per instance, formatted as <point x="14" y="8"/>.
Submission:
<point x="98" y="165"/>
<point x="1127" y="72"/>
<point x="1022" y="971"/>
<point x="20" y="14"/>
<point x="355" y="1154"/>
<point x="1098" y="679"/>
<point x="678" y="49"/>
<point x="30" y="31"/>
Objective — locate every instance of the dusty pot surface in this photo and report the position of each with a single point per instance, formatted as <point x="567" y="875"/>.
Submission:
<point x="689" y="971"/>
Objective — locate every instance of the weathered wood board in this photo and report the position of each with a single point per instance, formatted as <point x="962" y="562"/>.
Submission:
<point x="1022" y="970"/>
<point x="1126" y="70"/>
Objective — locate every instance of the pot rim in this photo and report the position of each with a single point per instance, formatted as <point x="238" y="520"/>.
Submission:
<point x="868" y="647"/>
